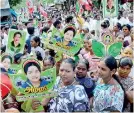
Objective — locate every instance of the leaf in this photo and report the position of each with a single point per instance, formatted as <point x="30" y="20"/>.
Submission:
<point x="115" y="49"/>
<point x="58" y="56"/>
<point x="98" y="48"/>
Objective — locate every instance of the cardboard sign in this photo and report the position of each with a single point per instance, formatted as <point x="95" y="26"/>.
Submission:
<point x="101" y="50"/>
<point x="107" y="39"/>
<point x="33" y="82"/>
<point x="110" y="8"/>
<point x="16" y="41"/>
<point x="66" y="44"/>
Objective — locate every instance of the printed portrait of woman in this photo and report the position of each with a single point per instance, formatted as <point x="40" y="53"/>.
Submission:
<point x="16" y="43"/>
<point x="69" y="34"/>
<point x="107" y="40"/>
<point x="32" y="70"/>
<point x="110" y="6"/>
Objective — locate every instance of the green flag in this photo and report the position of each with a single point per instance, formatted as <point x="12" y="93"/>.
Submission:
<point x="77" y="7"/>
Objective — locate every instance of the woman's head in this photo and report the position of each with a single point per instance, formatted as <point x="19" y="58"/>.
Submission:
<point x="107" y="67"/>
<point x="105" y="24"/>
<point x="126" y="29"/>
<point x="32" y="70"/>
<point x="117" y="27"/>
<point x="35" y="41"/>
<point x="125" y="65"/>
<point x="120" y="38"/>
<point x="17" y="36"/>
<point x="48" y="63"/>
<point x="82" y="68"/>
<point x="6" y="61"/>
<point x="110" y="3"/>
<point x="69" y="33"/>
<point x="88" y="44"/>
<point x="66" y="71"/>
<point x="127" y="52"/>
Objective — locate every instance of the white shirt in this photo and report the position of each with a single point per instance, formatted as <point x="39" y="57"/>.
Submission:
<point x="38" y="49"/>
<point x="128" y="38"/>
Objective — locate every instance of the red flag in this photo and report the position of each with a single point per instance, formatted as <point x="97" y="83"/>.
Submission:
<point x="86" y="4"/>
<point x="30" y="6"/>
<point x="42" y="11"/>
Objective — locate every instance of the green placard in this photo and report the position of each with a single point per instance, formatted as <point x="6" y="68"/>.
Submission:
<point x="68" y="44"/>
<point x="24" y="82"/>
<point x="110" y="8"/>
<point x="16" y="41"/>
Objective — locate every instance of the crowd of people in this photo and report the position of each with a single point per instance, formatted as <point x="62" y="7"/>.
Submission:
<point x="85" y="85"/>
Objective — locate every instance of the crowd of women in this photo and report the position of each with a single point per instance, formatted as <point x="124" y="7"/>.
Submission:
<point x="85" y="85"/>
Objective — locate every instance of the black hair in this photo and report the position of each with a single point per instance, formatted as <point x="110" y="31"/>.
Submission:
<point x="6" y="28"/>
<point x="31" y="64"/>
<point x="119" y="26"/>
<point x="45" y="29"/>
<point x="52" y="53"/>
<point x="26" y="46"/>
<point x="14" y="27"/>
<point x="17" y="33"/>
<point x="2" y="27"/>
<point x="30" y="20"/>
<point x="56" y="23"/>
<point x="17" y="57"/>
<point x="84" y="61"/>
<point x="124" y="61"/>
<point x="67" y="29"/>
<point x="71" y="62"/>
<point x="69" y="19"/>
<point x="37" y="40"/>
<point x="7" y="56"/>
<point x="30" y="30"/>
<point x="111" y="63"/>
<point x="105" y="24"/>
<point x="51" y="59"/>
<point x="128" y="26"/>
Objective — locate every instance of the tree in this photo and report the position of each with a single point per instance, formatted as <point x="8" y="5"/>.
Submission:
<point x="14" y="2"/>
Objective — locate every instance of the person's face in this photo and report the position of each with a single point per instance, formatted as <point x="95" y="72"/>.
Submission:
<point x="66" y="73"/>
<point x="130" y="17"/>
<point x="33" y="43"/>
<point x="115" y="28"/>
<point x="33" y="74"/>
<point x="128" y="52"/>
<point x="103" y="71"/>
<point x="124" y="71"/>
<point x="47" y="64"/>
<point x="81" y="70"/>
<point x="68" y="36"/>
<point x="87" y="45"/>
<point x="59" y="26"/>
<point x="6" y="63"/>
<point x="17" y="38"/>
<point x="110" y="3"/>
<point x="126" y="31"/>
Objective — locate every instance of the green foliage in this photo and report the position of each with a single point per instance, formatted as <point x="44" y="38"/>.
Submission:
<point x="14" y="2"/>
<point x="115" y="49"/>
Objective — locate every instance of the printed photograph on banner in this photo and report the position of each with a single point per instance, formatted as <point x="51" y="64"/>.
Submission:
<point x="110" y="8"/>
<point x="67" y="43"/>
<point x="6" y="63"/>
<point x="16" y="41"/>
<point x="33" y="80"/>
<point x="107" y="39"/>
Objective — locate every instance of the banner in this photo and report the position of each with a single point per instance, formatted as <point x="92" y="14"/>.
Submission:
<point x="67" y="44"/>
<point x="110" y="8"/>
<point x="32" y="82"/>
<point x="16" y="41"/>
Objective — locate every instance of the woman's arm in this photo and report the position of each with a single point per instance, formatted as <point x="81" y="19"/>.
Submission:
<point x="130" y="96"/>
